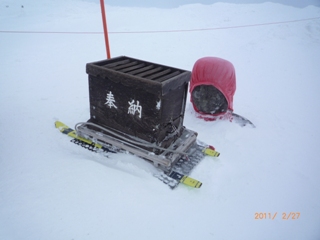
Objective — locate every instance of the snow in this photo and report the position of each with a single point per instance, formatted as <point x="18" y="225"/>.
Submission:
<point x="52" y="189"/>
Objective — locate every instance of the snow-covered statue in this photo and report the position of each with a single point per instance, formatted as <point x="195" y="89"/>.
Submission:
<point x="212" y="87"/>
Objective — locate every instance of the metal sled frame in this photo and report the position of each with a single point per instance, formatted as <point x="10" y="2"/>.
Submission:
<point x="165" y="160"/>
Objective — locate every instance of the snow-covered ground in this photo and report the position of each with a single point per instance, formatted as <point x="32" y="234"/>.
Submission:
<point x="52" y="189"/>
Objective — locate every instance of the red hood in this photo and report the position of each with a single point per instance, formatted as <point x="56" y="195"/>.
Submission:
<point x="217" y="72"/>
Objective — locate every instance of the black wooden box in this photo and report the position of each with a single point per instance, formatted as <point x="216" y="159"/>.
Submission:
<point x="139" y="98"/>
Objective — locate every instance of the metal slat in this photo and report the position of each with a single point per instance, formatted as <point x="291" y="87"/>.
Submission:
<point x="119" y="67"/>
<point x="159" y="74"/>
<point x="125" y="70"/>
<point x="168" y="76"/>
<point x="140" y="70"/>
<point x="150" y="72"/>
<point x="111" y="65"/>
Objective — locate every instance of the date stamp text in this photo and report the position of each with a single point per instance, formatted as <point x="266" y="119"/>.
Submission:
<point x="275" y="215"/>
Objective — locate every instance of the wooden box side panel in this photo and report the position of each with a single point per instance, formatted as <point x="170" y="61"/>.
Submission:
<point x="126" y="109"/>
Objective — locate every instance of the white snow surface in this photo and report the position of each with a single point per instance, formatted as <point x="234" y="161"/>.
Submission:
<point x="53" y="189"/>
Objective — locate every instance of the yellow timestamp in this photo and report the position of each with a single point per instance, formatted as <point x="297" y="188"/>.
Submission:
<point x="273" y="216"/>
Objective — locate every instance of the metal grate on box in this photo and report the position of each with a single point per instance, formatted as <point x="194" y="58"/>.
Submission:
<point x="143" y="69"/>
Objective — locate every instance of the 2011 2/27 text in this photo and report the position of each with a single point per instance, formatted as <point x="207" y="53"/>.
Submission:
<point x="273" y="216"/>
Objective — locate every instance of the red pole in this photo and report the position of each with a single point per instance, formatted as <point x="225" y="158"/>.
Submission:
<point x="105" y="30"/>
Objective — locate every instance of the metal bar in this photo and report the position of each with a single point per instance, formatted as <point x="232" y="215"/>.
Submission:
<point x="168" y="76"/>
<point x="119" y="67"/>
<point x="159" y="74"/>
<point x="132" y="68"/>
<point x="140" y="70"/>
<point x="111" y="65"/>
<point x="149" y="72"/>
<point x="82" y="131"/>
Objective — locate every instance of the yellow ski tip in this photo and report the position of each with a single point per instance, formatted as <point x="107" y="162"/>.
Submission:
<point x="61" y="126"/>
<point x="72" y="133"/>
<point x="211" y="152"/>
<point x="191" y="182"/>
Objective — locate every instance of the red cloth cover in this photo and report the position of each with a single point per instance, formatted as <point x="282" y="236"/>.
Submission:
<point x="219" y="73"/>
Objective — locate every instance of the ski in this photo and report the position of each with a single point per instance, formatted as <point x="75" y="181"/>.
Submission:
<point x="242" y="121"/>
<point x="185" y="179"/>
<point x="178" y="173"/>
<point x="72" y="133"/>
